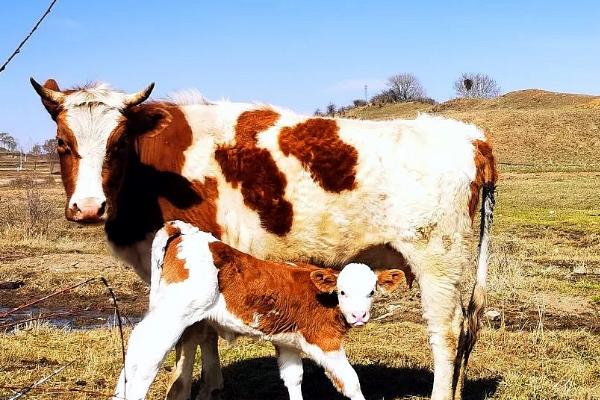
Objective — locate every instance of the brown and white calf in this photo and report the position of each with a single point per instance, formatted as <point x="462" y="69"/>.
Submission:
<point x="280" y="186"/>
<point x="298" y="307"/>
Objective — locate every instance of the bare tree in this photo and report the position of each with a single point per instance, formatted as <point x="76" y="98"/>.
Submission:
<point x="330" y="110"/>
<point x="7" y="142"/>
<point x="36" y="152"/>
<point x="405" y="87"/>
<point x="476" y="86"/>
<point x="49" y="148"/>
<point x="318" y="112"/>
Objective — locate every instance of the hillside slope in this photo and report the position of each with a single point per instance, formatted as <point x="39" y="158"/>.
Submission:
<point x="534" y="128"/>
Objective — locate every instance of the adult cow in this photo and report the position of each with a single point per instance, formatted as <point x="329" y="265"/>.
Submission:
<point x="280" y="186"/>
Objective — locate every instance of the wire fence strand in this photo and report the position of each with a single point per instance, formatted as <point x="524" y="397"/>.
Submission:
<point x="20" y="46"/>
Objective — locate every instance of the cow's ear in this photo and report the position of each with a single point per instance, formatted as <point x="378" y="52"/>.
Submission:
<point x="390" y="279"/>
<point x="52" y="97"/>
<point x="144" y="119"/>
<point x="324" y="279"/>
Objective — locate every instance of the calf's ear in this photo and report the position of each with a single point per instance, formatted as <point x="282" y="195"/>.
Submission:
<point x="324" y="279"/>
<point x="389" y="279"/>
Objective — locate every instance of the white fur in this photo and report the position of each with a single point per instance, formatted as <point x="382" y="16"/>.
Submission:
<point x="92" y="114"/>
<point x="356" y="285"/>
<point x="179" y="305"/>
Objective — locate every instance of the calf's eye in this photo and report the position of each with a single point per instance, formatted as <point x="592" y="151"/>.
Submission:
<point x="343" y="293"/>
<point x="372" y="293"/>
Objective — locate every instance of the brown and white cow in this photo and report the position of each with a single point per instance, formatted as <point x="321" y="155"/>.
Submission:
<point x="280" y="186"/>
<point x="297" y="307"/>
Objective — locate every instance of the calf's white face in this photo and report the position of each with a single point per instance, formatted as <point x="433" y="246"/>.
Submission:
<point x="355" y="286"/>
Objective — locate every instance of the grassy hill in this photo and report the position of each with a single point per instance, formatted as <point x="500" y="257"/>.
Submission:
<point x="535" y="129"/>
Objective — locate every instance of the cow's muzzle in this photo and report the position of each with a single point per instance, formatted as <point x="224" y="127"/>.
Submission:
<point x="87" y="210"/>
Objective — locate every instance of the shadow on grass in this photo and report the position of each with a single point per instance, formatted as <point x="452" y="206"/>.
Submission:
<point x="258" y="378"/>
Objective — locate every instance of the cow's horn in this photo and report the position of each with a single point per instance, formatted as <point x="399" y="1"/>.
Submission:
<point x="136" y="98"/>
<point x="47" y="94"/>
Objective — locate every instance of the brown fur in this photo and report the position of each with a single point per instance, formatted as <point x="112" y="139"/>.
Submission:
<point x="316" y="143"/>
<point x="52" y="108"/>
<point x="485" y="167"/>
<point x="262" y="183"/>
<point x="146" y="186"/>
<point x="174" y="269"/>
<point x="390" y="279"/>
<point x="283" y="295"/>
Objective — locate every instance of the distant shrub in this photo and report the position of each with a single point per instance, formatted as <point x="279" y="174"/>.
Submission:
<point x="359" y="103"/>
<point x="38" y="213"/>
<point x="385" y="97"/>
<point x="30" y="216"/>
<point x="426" y="100"/>
<point x="22" y="182"/>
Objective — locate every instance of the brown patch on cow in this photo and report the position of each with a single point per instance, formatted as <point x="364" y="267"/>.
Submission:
<point x="68" y="158"/>
<point x="203" y="214"/>
<point x="485" y="167"/>
<point x="278" y="297"/>
<point x="317" y="145"/>
<point x="171" y="230"/>
<point x="262" y="183"/>
<point x="150" y="189"/>
<point x="174" y="269"/>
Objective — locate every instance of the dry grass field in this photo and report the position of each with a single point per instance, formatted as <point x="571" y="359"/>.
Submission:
<point x="542" y="336"/>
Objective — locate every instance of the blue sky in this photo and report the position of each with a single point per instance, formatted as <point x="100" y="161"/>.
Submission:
<point x="297" y="54"/>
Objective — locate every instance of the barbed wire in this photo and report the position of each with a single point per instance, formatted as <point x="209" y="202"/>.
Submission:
<point x="35" y="386"/>
<point x="18" y="49"/>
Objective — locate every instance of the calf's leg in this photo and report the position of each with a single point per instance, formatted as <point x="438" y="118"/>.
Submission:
<point x="290" y="370"/>
<point x="338" y="370"/>
<point x="148" y="345"/>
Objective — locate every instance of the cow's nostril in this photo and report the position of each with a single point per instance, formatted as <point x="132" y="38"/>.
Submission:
<point x="364" y="315"/>
<point x="75" y="207"/>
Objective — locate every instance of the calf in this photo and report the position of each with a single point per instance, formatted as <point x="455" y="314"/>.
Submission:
<point x="196" y="277"/>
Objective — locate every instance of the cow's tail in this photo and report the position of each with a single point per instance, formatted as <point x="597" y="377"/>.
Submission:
<point x="486" y="177"/>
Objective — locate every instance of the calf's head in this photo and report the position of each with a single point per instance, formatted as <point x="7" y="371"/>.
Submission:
<point x="91" y="142"/>
<point x="355" y="286"/>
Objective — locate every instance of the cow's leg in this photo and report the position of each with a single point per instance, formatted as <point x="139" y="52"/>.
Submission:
<point x="211" y="375"/>
<point x="185" y="355"/>
<point x="148" y="345"/>
<point x="442" y="309"/>
<point x="290" y="370"/>
<point x="338" y="369"/>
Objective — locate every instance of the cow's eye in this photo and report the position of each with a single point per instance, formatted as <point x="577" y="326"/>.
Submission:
<point x="60" y="142"/>
<point x="372" y="293"/>
<point x="343" y="293"/>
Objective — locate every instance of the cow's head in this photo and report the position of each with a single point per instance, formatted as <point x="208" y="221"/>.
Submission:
<point x="91" y="126"/>
<point x="355" y="286"/>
